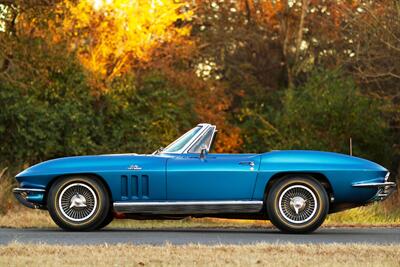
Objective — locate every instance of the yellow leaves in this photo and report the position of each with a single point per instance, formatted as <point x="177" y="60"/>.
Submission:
<point x="112" y="36"/>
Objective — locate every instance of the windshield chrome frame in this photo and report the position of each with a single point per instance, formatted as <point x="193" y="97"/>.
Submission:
<point x="193" y="140"/>
<point x="213" y="127"/>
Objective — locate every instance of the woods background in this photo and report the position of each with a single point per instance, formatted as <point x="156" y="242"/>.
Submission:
<point x="114" y="76"/>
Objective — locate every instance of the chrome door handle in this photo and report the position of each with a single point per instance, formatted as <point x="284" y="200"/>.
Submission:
<point x="134" y="167"/>
<point x="250" y="163"/>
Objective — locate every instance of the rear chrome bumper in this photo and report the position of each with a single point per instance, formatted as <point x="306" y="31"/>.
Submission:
<point x="385" y="189"/>
<point x="30" y="197"/>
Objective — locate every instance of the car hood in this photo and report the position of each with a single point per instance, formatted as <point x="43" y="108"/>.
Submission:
<point x="86" y="163"/>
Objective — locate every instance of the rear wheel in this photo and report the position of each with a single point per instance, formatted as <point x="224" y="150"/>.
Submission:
<point x="297" y="204"/>
<point x="78" y="203"/>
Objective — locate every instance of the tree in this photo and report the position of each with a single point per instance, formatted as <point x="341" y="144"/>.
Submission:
<point x="373" y="37"/>
<point x="111" y="37"/>
<point x="326" y="112"/>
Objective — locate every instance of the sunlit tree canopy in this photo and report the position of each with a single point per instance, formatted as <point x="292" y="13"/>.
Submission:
<point x="111" y="36"/>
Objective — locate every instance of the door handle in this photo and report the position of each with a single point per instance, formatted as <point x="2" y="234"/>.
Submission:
<point x="250" y="163"/>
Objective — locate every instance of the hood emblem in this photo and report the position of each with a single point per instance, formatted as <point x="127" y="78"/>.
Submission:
<point x="134" y="167"/>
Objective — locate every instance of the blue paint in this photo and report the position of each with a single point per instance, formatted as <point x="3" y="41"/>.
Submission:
<point x="183" y="176"/>
<point x="217" y="177"/>
<point x="35" y="197"/>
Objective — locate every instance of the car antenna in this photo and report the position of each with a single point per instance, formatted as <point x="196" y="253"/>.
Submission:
<point x="351" y="146"/>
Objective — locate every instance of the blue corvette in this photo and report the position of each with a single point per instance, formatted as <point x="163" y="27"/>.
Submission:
<point x="295" y="190"/>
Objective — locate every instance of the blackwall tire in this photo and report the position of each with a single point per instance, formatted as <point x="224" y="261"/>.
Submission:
<point x="107" y="220"/>
<point x="78" y="203"/>
<point x="297" y="204"/>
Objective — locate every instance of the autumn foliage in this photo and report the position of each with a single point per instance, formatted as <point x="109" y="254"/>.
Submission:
<point x="100" y="76"/>
<point x="112" y="37"/>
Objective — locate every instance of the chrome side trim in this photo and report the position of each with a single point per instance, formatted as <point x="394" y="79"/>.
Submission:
<point x="188" y="203"/>
<point x="374" y="184"/>
<point x="17" y="190"/>
<point x="189" y="207"/>
<point x="384" y="190"/>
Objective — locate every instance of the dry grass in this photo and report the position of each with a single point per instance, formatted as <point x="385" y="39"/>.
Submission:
<point x="361" y="217"/>
<point x="201" y="255"/>
<point x="377" y="214"/>
<point x="6" y="185"/>
<point x="26" y="218"/>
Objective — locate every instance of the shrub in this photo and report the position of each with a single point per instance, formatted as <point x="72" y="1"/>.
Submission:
<point x="327" y="111"/>
<point x="323" y="114"/>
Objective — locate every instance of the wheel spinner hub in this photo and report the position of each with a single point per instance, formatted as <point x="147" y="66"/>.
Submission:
<point x="298" y="204"/>
<point x="77" y="202"/>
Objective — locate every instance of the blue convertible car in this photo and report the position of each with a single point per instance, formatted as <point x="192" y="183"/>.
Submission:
<point x="294" y="189"/>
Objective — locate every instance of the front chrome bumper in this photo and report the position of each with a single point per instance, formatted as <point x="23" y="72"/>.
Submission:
<point x="30" y="197"/>
<point x="385" y="189"/>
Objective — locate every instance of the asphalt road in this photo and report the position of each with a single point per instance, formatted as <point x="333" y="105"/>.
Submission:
<point x="201" y="236"/>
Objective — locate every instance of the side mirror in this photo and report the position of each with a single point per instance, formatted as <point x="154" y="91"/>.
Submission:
<point x="203" y="153"/>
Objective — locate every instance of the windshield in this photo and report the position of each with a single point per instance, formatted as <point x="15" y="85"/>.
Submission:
<point x="177" y="145"/>
<point x="204" y="142"/>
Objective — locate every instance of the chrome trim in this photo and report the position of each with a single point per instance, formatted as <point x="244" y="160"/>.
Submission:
<point x="194" y="138"/>
<point x="134" y="167"/>
<point x="384" y="190"/>
<point x="387" y="176"/>
<point x="205" y="127"/>
<point x="167" y="203"/>
<point x="301" y="200"/>
<point x="250" y="163"/>
<point x="200" y="137"/>
<point x="77" y="202"/>
<point x="17" y="190"/>
<point x="189" y="207"/>
<point x="22" y="194"/>
<point x="374" y="184"/>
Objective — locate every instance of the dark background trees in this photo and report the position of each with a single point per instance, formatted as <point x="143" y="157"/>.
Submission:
<point x="78" y="78"/>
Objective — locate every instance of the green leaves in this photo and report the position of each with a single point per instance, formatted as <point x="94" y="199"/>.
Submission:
<point x="323" y="114"/>
<point x="65" y="119"/>
<point x="141" y="118"/>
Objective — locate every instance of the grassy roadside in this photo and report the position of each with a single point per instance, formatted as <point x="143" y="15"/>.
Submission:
<point x="370" y="216"/>
<point x="200" y="255"/>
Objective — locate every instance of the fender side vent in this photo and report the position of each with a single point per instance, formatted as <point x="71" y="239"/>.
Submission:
<point x="124" y="186"/>
<point x="135" y="186"/>
<point x="145" y="185"/>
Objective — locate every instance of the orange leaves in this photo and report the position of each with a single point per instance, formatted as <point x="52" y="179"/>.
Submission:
<point x="269" y="11"/>
<point x="212" y="102"/>
<point x="110" y="37"/>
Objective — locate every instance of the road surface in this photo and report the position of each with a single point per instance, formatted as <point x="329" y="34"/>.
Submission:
<point x="200" y="236"/>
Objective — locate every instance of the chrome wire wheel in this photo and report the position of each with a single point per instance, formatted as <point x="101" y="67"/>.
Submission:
<point x="77" y="202"/>
<point x="298" y="204"/>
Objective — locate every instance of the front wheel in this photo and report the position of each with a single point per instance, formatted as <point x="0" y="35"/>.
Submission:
<point x="78" y="203"/>
<point x="107" y="220"/>
<point x="297" y="204"/>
